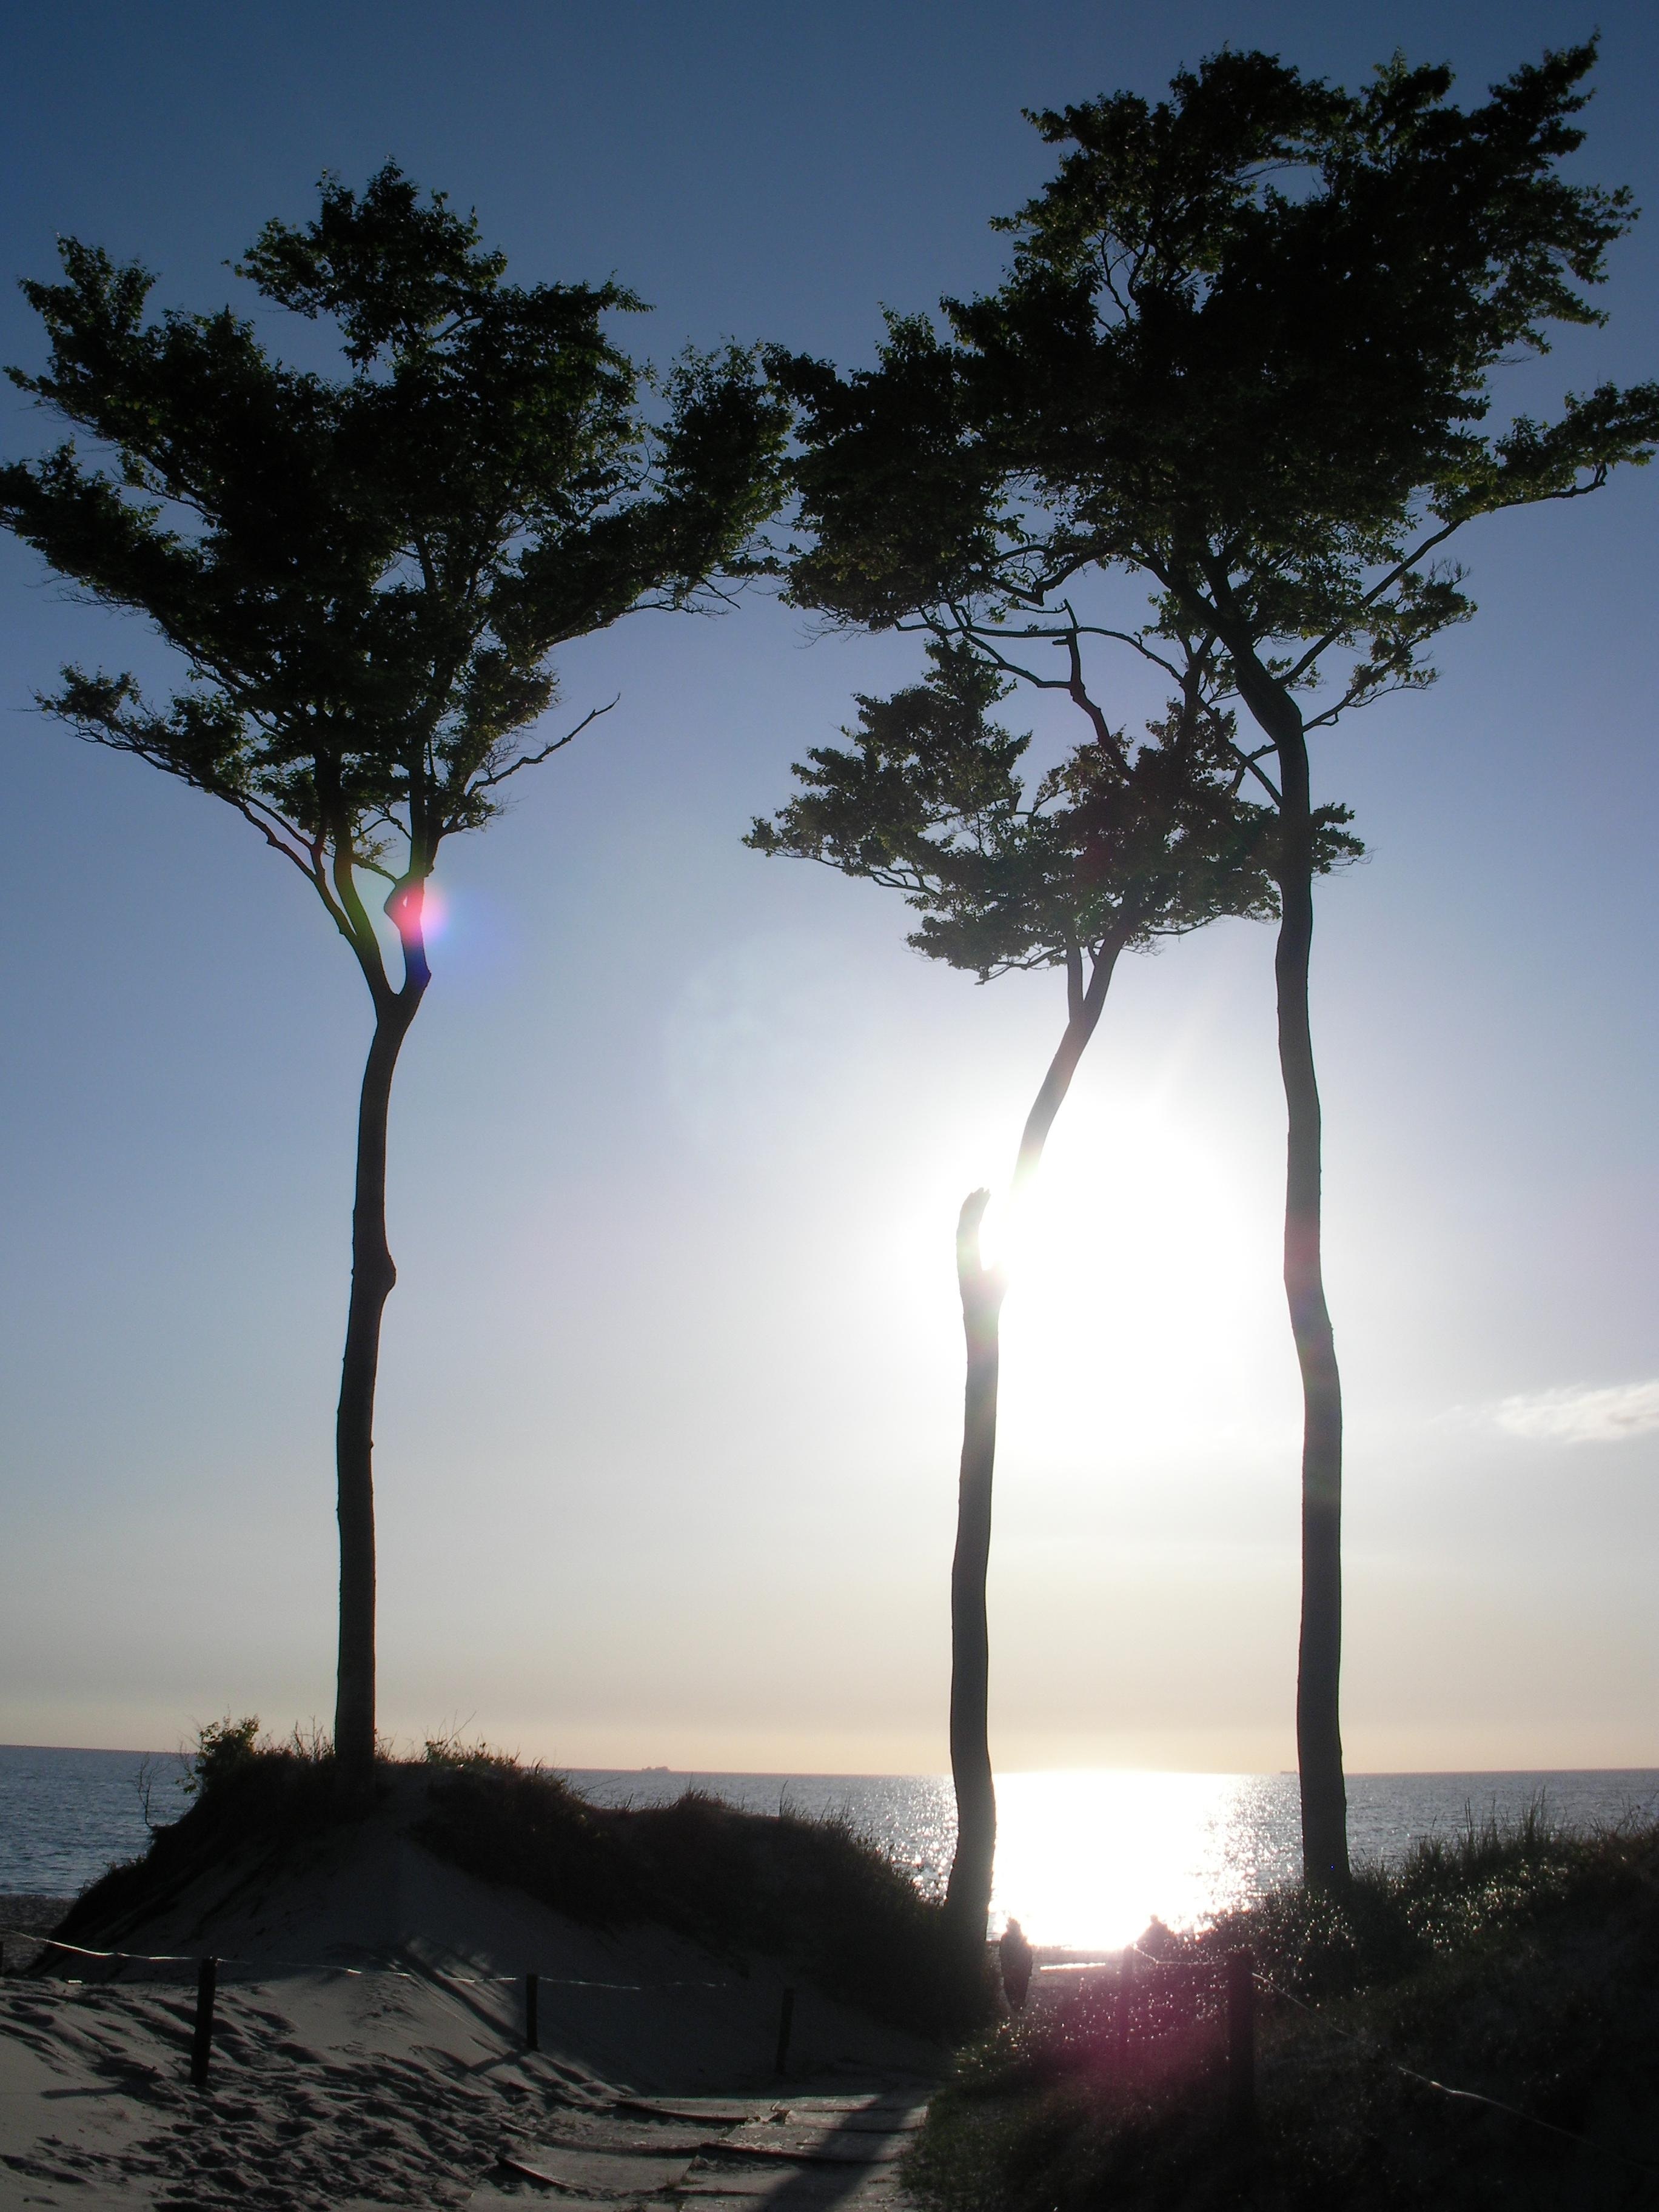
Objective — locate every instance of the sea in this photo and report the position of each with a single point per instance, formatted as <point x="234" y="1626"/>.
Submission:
<point x="1086" y="1859"/>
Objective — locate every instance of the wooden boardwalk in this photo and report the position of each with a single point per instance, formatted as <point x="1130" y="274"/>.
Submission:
<point x="782" y="2154"/>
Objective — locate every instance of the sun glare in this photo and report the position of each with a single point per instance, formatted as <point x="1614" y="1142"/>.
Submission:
<point x="1086" y="1858"/>
<point x="1140" y="1261"/>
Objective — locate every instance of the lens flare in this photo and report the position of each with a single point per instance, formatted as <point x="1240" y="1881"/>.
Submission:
<point x="434" y="914"/>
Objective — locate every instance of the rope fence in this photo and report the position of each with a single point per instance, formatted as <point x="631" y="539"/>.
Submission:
<point x="1447" y="2089"/>
<point x="328" y="1966"/>
<point x="207" y="1986"/>
<point x="1239" y="1976"/>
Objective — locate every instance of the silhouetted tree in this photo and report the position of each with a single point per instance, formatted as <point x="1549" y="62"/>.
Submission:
<point x="365" y="577"/>
<point x="1244" y="359"/>
<point x="1120" y="844"/>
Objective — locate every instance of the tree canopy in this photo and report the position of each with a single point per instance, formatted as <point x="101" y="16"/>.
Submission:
<point x="366" y="574"/>
<point x="1120" y="843"/>
<point x="1245" y="352"/>
<point x="1241" y="373"/>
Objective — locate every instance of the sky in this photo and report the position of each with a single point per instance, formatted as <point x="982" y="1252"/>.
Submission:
<point x="669" y="1396"/>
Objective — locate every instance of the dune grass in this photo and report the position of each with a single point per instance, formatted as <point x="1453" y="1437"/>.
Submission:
<point x="249" y="1797"/>
<point x="814" y="1893"/>
<point x="1521" y="1963"/>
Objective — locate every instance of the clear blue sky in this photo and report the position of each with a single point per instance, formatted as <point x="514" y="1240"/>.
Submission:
<point x="669" y="1396"/>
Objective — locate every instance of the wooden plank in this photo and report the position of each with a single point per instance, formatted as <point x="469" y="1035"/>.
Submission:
<point x="597" y="2173"/>
<point x="864" y="2102"/>
<point x="733" y="2190"/>
<point x="818" y="2143"/>
<point x="673" y="2139"/>
<point x="875" y="2119"/>
<point x="722" y="2111"/>
<point x="487" y="2198"/>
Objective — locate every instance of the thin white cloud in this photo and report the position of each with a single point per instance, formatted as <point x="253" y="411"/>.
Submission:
<point x="1582" y="1416"/>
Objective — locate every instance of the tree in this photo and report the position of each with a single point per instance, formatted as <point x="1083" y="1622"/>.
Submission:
<point x="1242" y="364"/>
<point x="364" y="577"/>
<point x="1119" y="845"/>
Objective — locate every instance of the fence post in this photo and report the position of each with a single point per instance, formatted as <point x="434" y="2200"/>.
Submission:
<point x="785" y="2023"/>
<point x="201" y="2048"/>
<point x="533" y="2025"/>
<point x="1125" y="1988"/>
<point x="1241" y="2041"/>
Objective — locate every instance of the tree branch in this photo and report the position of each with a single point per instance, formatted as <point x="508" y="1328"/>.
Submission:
<point x="335" y="839"/>
<point x="1403" y="568"/>
<point x="1081" y="699"/>
<point x="534" y="760"/>
<point x="305" y="862"/>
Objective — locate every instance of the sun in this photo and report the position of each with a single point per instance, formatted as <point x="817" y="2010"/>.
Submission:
<point x="1143" y="1258"/>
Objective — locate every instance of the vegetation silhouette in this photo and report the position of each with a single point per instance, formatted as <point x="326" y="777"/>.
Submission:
<point x="815" y="1892"/>
<point x="1120" y="844"/>
<point x="365" y="577"/>
<point x="1514" y="1961"/>
<point x="1223" y="414"/>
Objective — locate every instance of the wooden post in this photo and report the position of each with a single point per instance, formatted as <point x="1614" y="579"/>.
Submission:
<point x="1240" y="2042"/>
<point x="1126" y="1986"/>
<point x="533" y="2025"/>
<point x="201" y="2048"/>
<point x="785" y="2024"/>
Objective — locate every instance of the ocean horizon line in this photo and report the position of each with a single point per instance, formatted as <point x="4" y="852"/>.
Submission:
<point x="925" y="1773"/>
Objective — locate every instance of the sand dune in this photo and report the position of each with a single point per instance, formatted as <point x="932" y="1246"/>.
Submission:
<point x="408" y="2081"/>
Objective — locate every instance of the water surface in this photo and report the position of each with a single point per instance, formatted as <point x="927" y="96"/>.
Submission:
<point x="1085" y="1859"/>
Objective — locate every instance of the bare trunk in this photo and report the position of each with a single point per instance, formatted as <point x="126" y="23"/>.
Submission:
<point x="372" y="1275"/>
<point x="968" y="1896"/>
<point x="968" y="1899"/>
<point x="1319" y="1658"/>
<point x="1058" y="1081"/>
<point x="1319" y="1665"/>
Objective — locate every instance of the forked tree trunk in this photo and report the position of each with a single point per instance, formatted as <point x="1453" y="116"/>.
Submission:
<point x="372" y="1275"/>
<point x="968" y="1898"/>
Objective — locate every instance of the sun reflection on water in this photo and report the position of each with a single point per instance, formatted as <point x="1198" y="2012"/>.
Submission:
<point x="1087" y="1858"/>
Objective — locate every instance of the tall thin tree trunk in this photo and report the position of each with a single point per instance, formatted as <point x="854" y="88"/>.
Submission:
<point x="968" y="1899"/>
<point x="372" y="1275"/>
<point x="1319" y="1659"/>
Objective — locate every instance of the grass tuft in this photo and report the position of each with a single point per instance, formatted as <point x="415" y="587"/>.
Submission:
<point x="814" y="1894"/>
<point x="812" y="1891"/>
<point x="1520" y="1962"/>
<point x="246" y="1791"/>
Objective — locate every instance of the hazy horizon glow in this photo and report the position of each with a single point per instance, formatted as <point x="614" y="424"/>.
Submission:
<point x="671" y="1389"/>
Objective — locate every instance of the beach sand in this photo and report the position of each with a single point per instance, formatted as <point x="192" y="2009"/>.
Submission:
<point x="408" y="2081"/>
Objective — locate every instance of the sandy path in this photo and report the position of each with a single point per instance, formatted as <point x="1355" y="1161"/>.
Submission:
<point x="385" y="2093"/>
<point x="407" y="2081"/>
